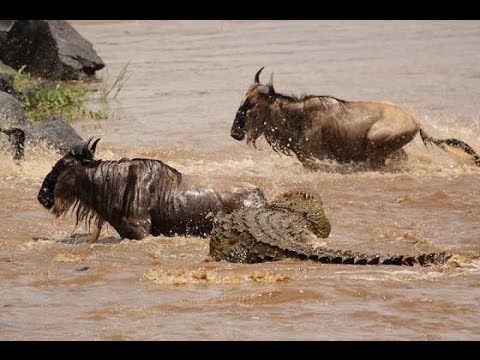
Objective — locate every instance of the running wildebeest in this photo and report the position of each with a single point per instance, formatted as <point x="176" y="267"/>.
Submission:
<point x="324" y="127"/>
<point x="16" y="137"/>
<point x="138" y="197"/>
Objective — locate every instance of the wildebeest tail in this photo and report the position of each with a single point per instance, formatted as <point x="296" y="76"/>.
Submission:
<point x="17" y="139"/>
<point x="459" y="144"/>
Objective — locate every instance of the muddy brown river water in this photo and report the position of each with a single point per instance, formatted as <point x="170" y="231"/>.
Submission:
<point x="185" y="82"/>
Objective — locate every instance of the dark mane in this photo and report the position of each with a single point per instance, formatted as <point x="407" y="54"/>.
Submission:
<point x="324" y="99"/>
<point x="168" y="168"/>
<point x="285" y="138"/>
<point x="120" y="184"/>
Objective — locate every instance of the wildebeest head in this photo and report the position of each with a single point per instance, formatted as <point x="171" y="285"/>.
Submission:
<point x="254" y="107"/>
<point x="81" y="155"/>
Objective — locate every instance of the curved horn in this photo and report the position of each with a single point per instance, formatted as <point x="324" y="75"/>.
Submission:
<point x="86" y="154"/>
<point x="87" y="144"/>
<point x="94" y="146"/>
<point x="257" y="76"/>
<point x="270" y="84"/>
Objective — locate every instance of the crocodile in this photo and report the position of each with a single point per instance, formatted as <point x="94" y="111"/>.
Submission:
<point x="288" y="227"/>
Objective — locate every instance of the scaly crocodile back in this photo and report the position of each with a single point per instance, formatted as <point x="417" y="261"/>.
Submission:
<point x="285" y="229"/>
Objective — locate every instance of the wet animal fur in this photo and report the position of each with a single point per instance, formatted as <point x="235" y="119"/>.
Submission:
<point x="16" y="137"/>
<point x="324" y="127"/>
<point x="137" y="197"/>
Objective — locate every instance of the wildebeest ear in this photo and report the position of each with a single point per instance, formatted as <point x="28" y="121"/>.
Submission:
<point x="257" y="76"/>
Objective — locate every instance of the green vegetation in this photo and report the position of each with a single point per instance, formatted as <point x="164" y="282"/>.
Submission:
<point x="42" y="99"/>
<point x="117" y="85"/>
<point x="68" y="99"/>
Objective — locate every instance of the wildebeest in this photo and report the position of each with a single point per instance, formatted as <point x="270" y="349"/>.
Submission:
<point x="324" y="127"/>
<point x="138" y="197"/>
<point x="16" y="137"/>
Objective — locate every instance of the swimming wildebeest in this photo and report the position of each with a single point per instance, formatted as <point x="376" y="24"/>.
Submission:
<point x="324" y="127"/>
<point x="138" y="197"/>
<point x="16" y="137"/>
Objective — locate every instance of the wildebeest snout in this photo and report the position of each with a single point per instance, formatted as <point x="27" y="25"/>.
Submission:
<point x="238" y="127"/>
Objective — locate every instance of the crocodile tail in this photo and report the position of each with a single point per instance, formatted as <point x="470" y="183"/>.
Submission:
<point x="422" y="259"/>
<point x="441" y="143"/>
<point x="348" y="257"/>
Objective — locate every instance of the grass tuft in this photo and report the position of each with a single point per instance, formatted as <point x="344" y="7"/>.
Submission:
<point x="68" y="99"/>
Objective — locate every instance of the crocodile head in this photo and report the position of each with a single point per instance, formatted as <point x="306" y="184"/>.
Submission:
<point x="309" y="205"/>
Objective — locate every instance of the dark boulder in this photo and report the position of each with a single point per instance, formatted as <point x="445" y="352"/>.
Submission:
<point x="7" y="74"/>
<point x="6" y="83"/>
<point x="55" y="132"/>
<point x="5" y="26"/>
<point x="11" y="112"/>
<point x="50" y="49"/>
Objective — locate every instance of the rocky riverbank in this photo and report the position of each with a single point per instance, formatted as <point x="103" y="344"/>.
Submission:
<point x="47" y="77"/>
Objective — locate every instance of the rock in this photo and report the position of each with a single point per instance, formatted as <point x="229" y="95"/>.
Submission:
<point x="11" y="112"/>
<point x="5" y="26"/>
<point x="50" y="49"/>
<point x="6" y="83"/>
<point x="7" y="75"/>
<point x="55" y="132"/>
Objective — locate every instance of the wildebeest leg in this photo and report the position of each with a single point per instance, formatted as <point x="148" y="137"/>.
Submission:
<point x="134" y="227"/>
<point x="310" y="149"/>
<point x="313" y="164"/>
<point x="398" y="156"/>
<point x="377" y="154"/>
<point x="96" y="233"/>
<point x="310" y="164"/>
<point x="16" y="137"/>
<point x="382" y="142"/>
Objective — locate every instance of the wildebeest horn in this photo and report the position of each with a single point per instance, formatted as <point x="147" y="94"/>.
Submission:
<point x="87" y="153"/>
<point x="86" y="146"/>
<point x="257" y="76"/>
<point x="94" y="146"/>
<point x="270" y="84"/>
